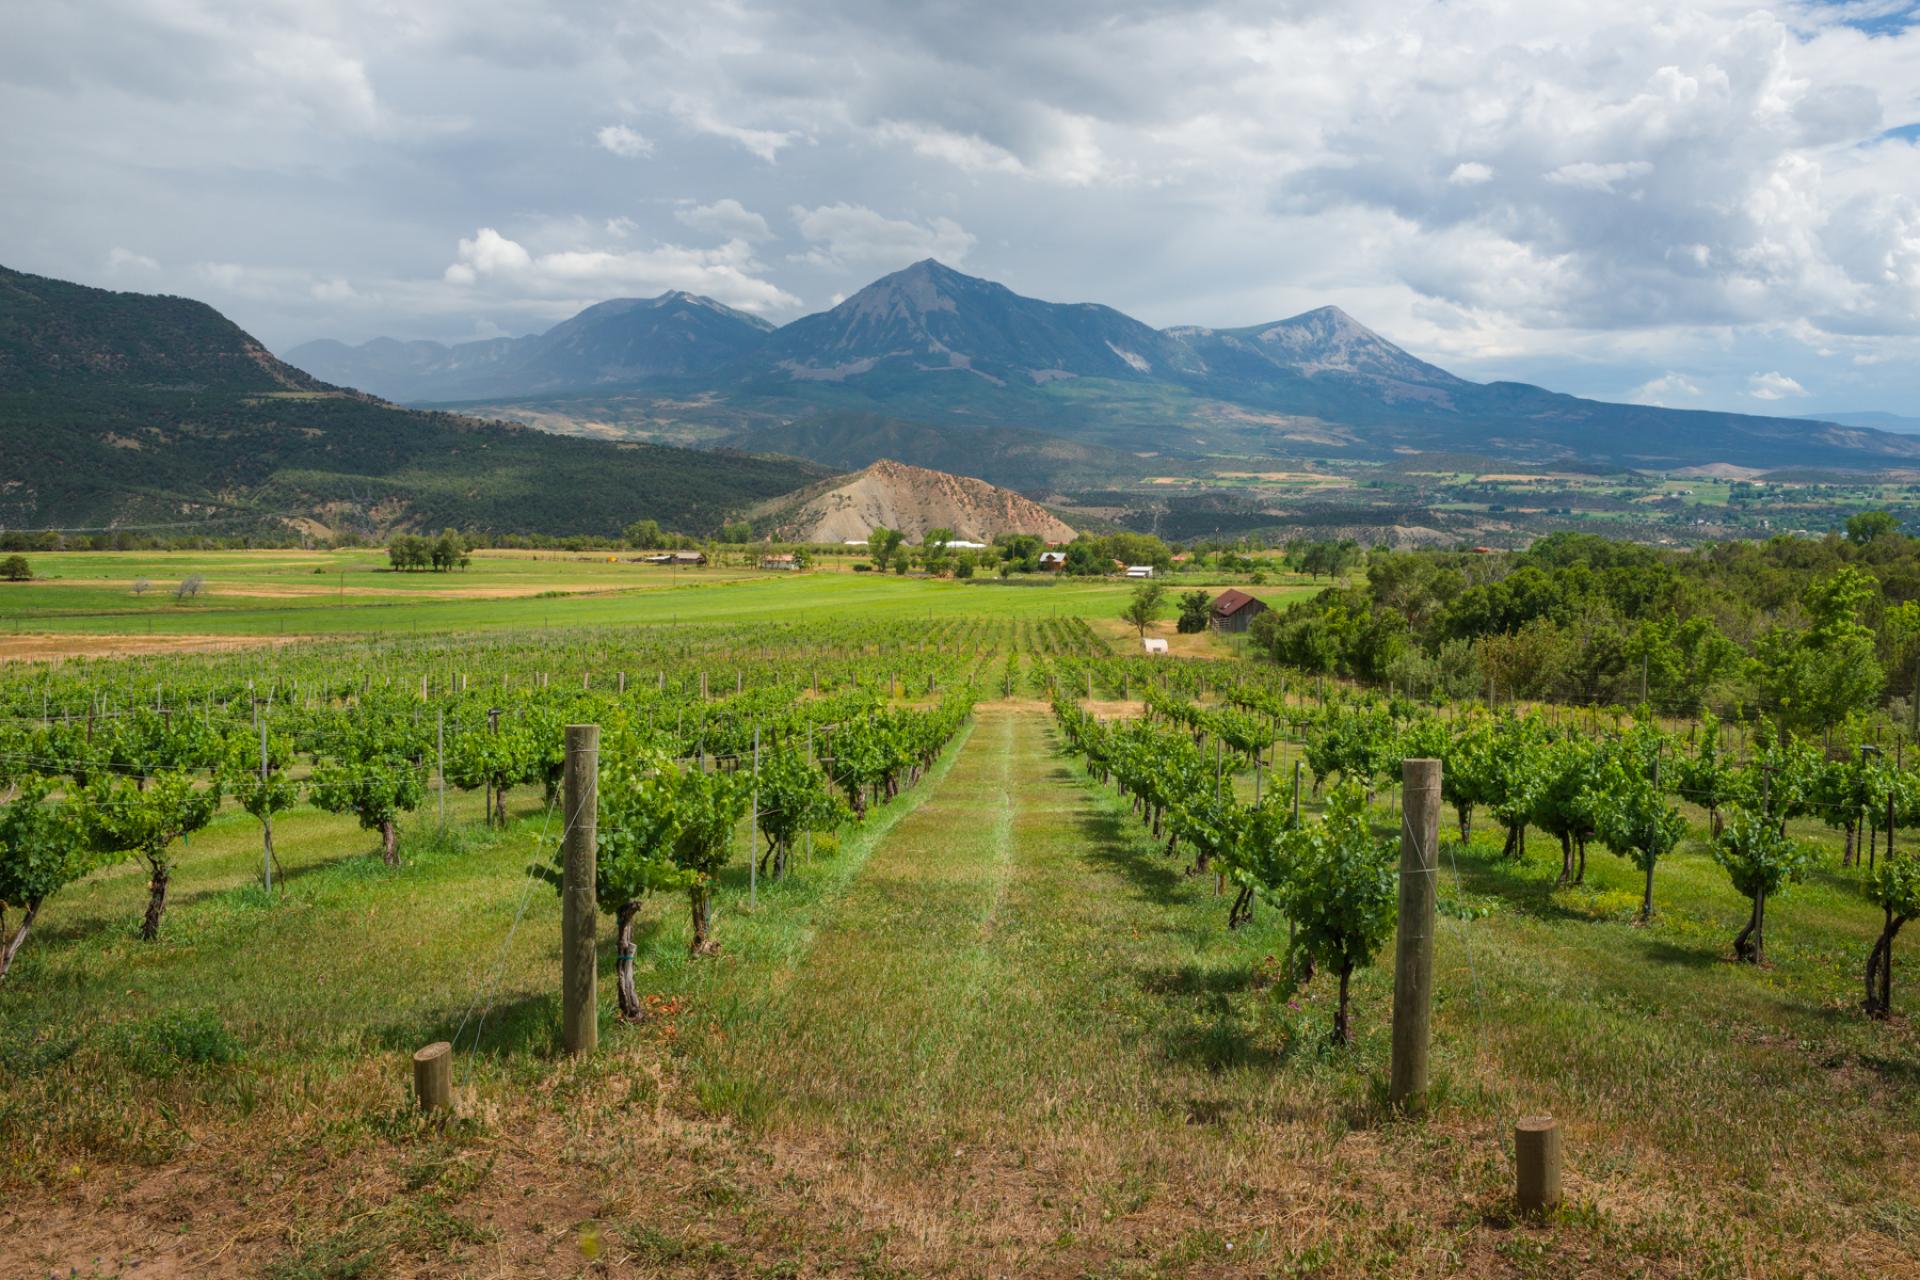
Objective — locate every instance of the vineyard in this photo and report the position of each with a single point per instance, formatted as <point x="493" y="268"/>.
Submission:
<point x="948" y="944"/>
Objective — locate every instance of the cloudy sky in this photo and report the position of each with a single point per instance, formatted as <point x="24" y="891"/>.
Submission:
<point x="1715" y="205"/>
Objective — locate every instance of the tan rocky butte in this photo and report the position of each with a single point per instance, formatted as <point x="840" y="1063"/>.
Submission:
<point x="913" y="500"/>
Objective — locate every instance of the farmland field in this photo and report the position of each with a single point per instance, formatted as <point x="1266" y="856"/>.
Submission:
<point x="992" y="1025"/>
<point x="299" y="593"/>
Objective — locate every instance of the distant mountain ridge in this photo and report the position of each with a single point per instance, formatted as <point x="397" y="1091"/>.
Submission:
<point x="123" y="410"/>
<point x="617" y="341"/>
<point x="931" y="344"/>
<point x="1030" y="461"/>
<point x="1903" y="424"/>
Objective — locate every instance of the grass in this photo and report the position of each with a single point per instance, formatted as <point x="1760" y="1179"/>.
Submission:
<point x="1000" y="1032"/>
<point x="264" y="594"/>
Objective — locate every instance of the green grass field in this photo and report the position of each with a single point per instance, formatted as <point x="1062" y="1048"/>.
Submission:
<point x="294" y="593"/>
<point x="999" y="1032"/>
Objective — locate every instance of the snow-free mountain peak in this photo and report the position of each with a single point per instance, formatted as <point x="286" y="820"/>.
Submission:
<point x="928" y="318"/>
<point x="621" y="340"/>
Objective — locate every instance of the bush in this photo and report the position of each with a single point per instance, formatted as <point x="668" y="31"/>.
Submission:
<point x="826" y="844"/>
<point x="15" y="569"/>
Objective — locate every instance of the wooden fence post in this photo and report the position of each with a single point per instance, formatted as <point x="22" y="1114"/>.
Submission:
<point x="1413" y="939"/>
<point x="433" y="1076"/>
<point x="1536" y="1163"/>
<point x="579" y="912"/>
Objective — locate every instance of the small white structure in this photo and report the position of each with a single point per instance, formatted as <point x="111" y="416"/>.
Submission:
<point x="1154" y="644"/>
<point x="961" y="544"/>
<point x="1139" y="571"/>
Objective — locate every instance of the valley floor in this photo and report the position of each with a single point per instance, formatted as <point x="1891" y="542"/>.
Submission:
<point x="999" y="1033"/>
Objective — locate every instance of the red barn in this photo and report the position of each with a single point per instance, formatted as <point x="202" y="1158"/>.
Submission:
<point x="1233" y="609"/>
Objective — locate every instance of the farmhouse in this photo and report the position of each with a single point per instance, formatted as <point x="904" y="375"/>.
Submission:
<point x="1233" y="609"/>
<point x="1052" y="561"/>
<point x="781" y="563"/>
<point x="1139" y="571"/>
<point x="679" y="559"/>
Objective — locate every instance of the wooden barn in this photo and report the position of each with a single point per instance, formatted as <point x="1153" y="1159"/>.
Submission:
<point x="1234" y="609"/>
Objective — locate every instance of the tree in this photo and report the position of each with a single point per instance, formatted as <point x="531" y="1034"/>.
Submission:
<point x="1144" y="607"/>
<point x="1020" y="551"/>
<point x="645" y="535"/>
<point x="16" y="569"/>
<point x="261" y="785"/>
<point x="494" y="758"/>
<point x="1514" y="773"/>
<point x="1894" y="887"/>
<point x="736" y="531"/>
<point x="1816" y="678"/>
<point x="189" y="586"/>
<point x="1632" y="814"/>
<point x="1257" y="859"/>
<point x="39" y="856"/>
<point x="706" y="807"/>
<point x="448" y="552"/>
<point x="1761" y="862"/>
<point x="1564" y="803"/>
<point x="1087" y="557"/>
<point x="882" y="542"/>
<point x="1340" y="892"/>
<point x="637" y="826"/>
<point x="1196" y="613"/>
<point x="371" y="769"/>
<point x="934" y="553"/>
<point x="120" y="816"/>
<point x="1707" y="777"/>
<point x="1870" y="526"/>
<point x="795" y="797"/>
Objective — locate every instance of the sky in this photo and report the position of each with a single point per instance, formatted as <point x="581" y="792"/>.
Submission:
<point x="1704" y="206"/>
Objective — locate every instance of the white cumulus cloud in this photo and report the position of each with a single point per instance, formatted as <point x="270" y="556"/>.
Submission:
<point x="508" y="269"/>
<point x="622" y="141"/>
<point x="1668" y="390"/>
<point x="854" y="235"/>
<point x="727" y="218"/>
<point x="119" y="259"/>
<point x="1773" y="386"/>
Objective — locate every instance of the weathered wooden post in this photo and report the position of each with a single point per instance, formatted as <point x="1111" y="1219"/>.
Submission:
<point x="433" y="1076"/>
<point x="579" y="992"/>
<point x="1536" y="1163"/>
<point x="1413" y="940"/>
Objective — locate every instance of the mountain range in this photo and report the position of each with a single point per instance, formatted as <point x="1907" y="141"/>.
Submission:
<point x="933" y="346"/>
<point x="135" y="411"/>
<point x="619" y="341"/>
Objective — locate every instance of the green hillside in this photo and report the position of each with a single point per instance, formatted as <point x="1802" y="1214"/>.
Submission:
<point x="124" y="409"/>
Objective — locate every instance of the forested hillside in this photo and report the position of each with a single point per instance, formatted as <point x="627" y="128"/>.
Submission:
<point x="129" y="410"/>
<point x="1810" y="632"/>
